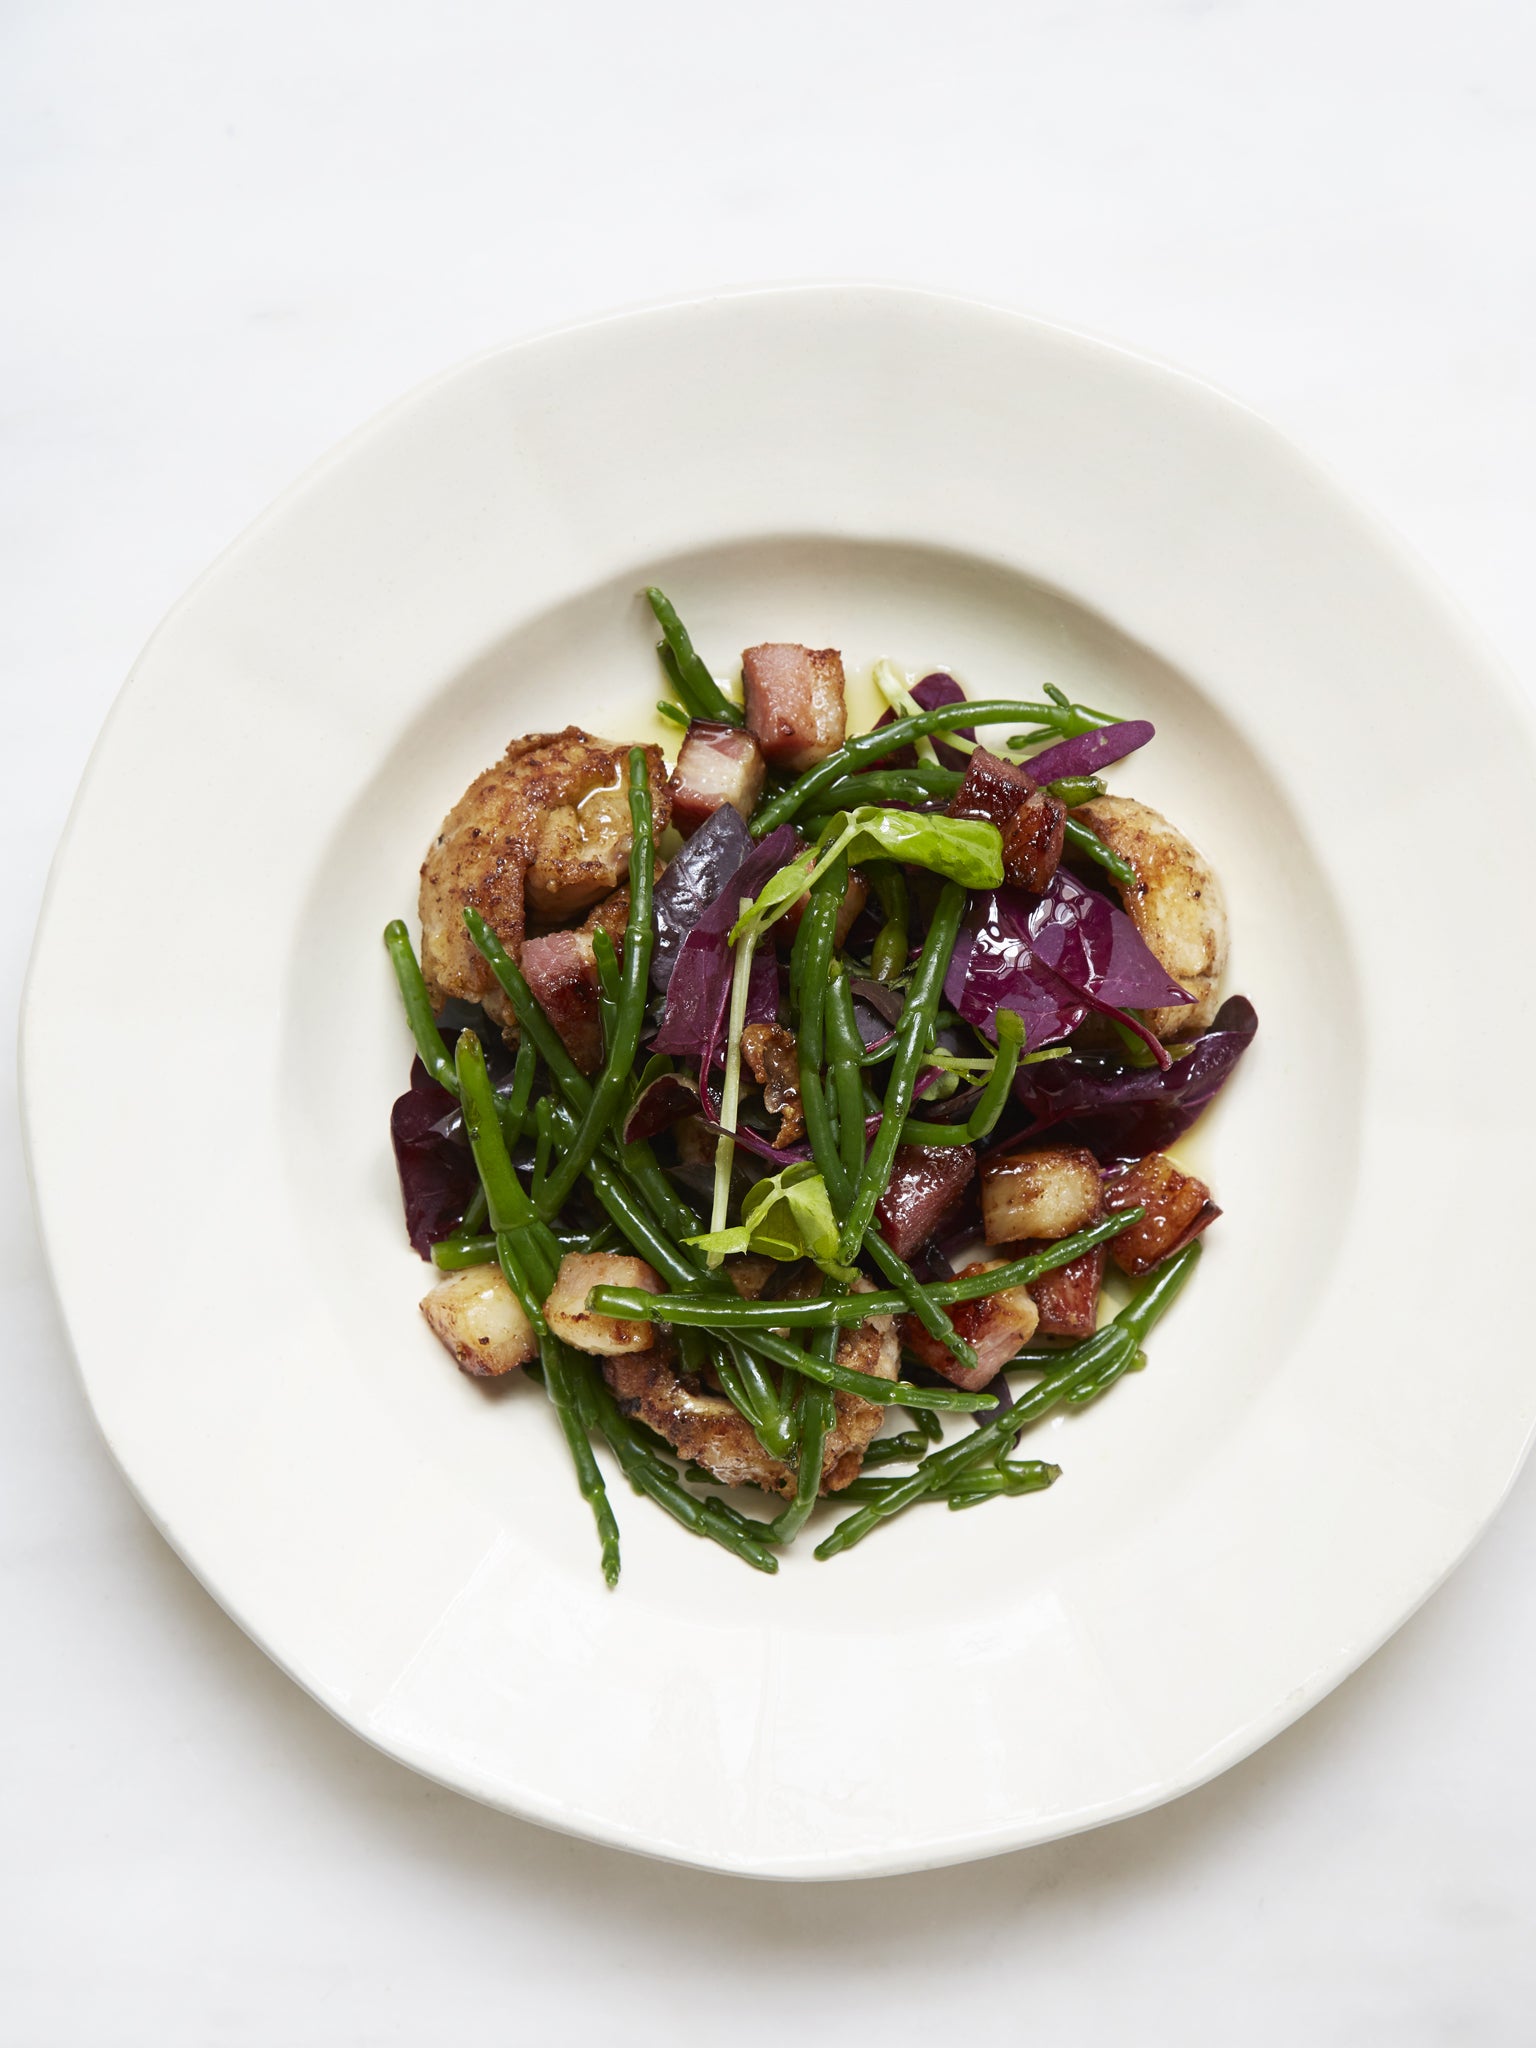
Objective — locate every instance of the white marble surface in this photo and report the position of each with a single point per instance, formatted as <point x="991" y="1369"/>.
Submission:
<point x="230" y="234"/>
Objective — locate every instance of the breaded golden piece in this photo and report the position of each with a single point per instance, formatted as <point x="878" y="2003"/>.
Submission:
<point x="1179" y="908"/>
<point x="536" y="838"/>
<point x="612" y="914"/>
<point x="702" y="1426"/>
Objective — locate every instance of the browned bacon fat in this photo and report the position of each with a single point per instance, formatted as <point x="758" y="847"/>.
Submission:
<point x="716" y="764"/>
<point x="795" y="703"/>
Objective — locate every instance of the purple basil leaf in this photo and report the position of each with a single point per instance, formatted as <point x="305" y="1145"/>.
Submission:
<point x="1124" y="1113"/>
<point x="437" y="1174"/>
<point x="661" y="1104"/>
<point x="992" y="968"/>
<point x="763" y="987"/>
<point x="700" y="989"/>
<point x="1091" y="943"/>
<point x="1089" y="751"/>
<point x="932" y="692"/>
<point x="755" y="1143"/>
<point x="1053" y="958"/>
<point x="876" y="1009"/>
<point x="691" y="882"/>
<point x="1001" y="1393"/>
<point x="954" y="1109"/>
<point x="787" y="1155"/>
<point x="426" y="1126"/>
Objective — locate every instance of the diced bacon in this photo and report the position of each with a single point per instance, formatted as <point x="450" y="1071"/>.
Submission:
<point x="1068" y="1296"/>
<point x="1033" y="824"/>
<point x="659" y="1105"/>
<point x="561" y="969"/>
<point x="996" y="1327"/>
<point x="1048" y="1192"/>
<point x="716" y="764"/>
<point x="925" y="1188"/>
<point x="480" y="1322"/>
<point x="1178" y="1208"/>
<point x="795" y="704"/>
<point x="993" y="788"/>
<point x="1032" y="841"/>
<point x="567" y="1313"/>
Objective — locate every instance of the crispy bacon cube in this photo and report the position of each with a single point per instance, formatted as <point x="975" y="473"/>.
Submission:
<point x="996" y="1327"/>
<point x="926" y="1186"/>
<point x="1049" y="1192"/>
<point x="1033" y="837"/>
<point x="561" y="969"/>
<point x="1068" y="1296"/>
<point x="567" y="1313"/>
<point x="716" y="764"/>
<point x="1178" y="1208"/>
<point x="480" y="1322"/>
<point x="795" y="703"/>
<point x="993" y="789"/>
<point x="1032" y="823"/>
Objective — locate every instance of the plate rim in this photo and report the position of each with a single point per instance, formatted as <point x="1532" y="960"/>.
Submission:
<point x="1495" y="671"/>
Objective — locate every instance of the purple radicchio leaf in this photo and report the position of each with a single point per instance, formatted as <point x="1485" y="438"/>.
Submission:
<point x="1054" y="957"/>
<point x="781" y="1155"/>
<point x="661" y="1104"/>
<point x="1001" y="1393"/>
<point x="1088" y="752"/>
<point x="426" y="1127"/>
<point x="691" y="882"/>
<point x="1123" y="1113"/>
<point x="699" y="992"/>
<point x="437" y="1173"/>
<point x="760" y="1147"/>
<point x="954" y="1109"/>
<point x="877" y="1009"/>
<point x="932" y="692"/>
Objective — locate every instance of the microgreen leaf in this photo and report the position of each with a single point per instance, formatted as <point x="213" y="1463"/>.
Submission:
<point x="787" y="1217"/>
<point x="966" y="850"/>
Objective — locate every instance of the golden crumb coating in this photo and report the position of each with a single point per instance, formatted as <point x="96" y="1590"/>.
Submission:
<point x="536" y="838"/>
<point x="1179" y="908"/>
<point x="702" y="1426"/>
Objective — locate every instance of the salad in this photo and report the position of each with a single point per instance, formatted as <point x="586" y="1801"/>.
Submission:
<point x="800" y="1117"/>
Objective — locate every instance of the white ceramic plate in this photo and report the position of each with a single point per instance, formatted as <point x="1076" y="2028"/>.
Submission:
<point x="212" y="1041"/>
